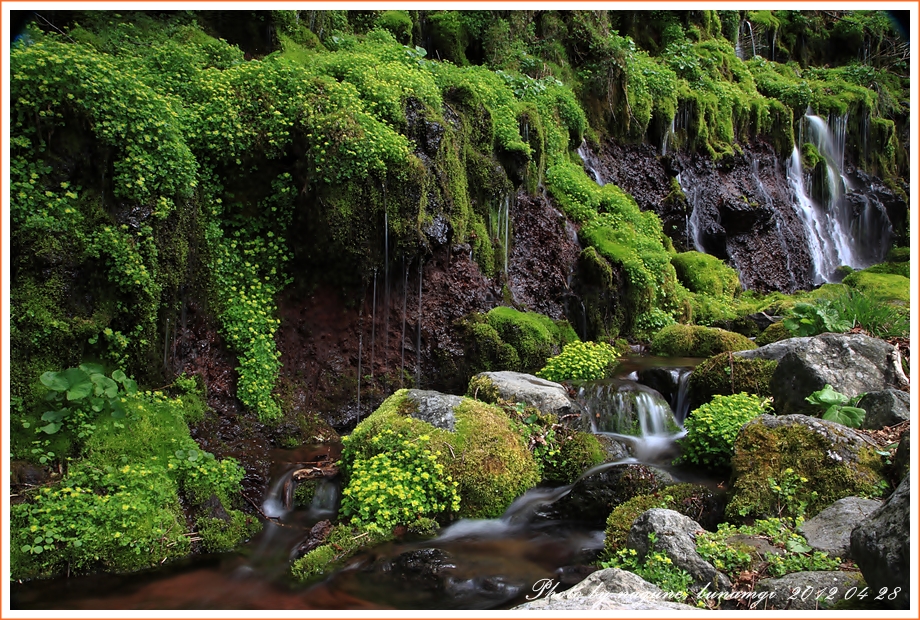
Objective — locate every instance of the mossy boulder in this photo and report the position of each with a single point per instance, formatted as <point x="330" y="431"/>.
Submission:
<point x="697" y="341"/>
<point x="547" y="396"/>
<point x="773" y="333"/>
<point x="704" y="273"/>
<point x="836" y="462"/>
<point x="726" y="374"/>
<point x="483" y="454"/>
<point x="693" y="500"/>
<point x="880" y="286"/>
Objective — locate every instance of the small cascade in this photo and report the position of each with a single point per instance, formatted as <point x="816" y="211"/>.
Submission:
<point x="631" y="413"/>
<point x="739" y="51"/>
<point x="589" y="162"/>
<point x="279" y="498"/>
<point x="753" y="44"/>
<point x="500" y="228"/>
<point x="823" y="254"/>
<point x="682" y="400"/>
<point x="325" y="502"/>
<point x="694" y="197"/>
<point x="668" y="134"/>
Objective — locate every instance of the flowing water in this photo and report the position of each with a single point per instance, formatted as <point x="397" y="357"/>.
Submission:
<point x="471" y="564"/>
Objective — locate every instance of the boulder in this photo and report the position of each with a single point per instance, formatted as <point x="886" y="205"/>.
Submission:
<point x="805" y="590"/>
<point x="850" y="363"/>
<point x="836" y="461"/>
<point x="547" y="396"/>
<point x="830" y="529"/>
<point x="774" y="351"/>
<point x="880" y="545"/>
<point x="608" y="589"/>
<point x="434" y="408"/>
<point x="885" y="408"/>
<point x="675" y="536"/>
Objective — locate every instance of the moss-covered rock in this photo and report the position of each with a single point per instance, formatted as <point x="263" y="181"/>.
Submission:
<point x="592" y="498"/>
<point x="693" y="500"/>
<point x="773" y="333"/>
<point x="697" y="341"/>
<point x="341" y="543"/>
<point x="881" y="286"/>
<point x="578" y="451"/>
<point x="219" y="535"/>
<point x="489" y="461"/>
<point x="704" y="273"/>
<point x="835" y="461"/>
<point x="726" y="374"/>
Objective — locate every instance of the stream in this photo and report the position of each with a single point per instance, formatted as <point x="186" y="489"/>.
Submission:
<point x="471" y="564"/>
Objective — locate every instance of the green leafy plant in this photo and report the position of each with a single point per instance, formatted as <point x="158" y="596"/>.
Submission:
<point x="84" y="389"/>
<point x="582" y="361"/>
<point x="713" y="428"/>
<point x="398" y="485"/>
<point x="792" y="497"/>
<point x="811" y="319"/>
<point x="655" y="567"/>
<point x="840" y="408"/>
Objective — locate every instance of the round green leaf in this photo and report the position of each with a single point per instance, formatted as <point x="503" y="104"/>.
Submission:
<point x="119" y="376"/>
<point x="55" y="381"/>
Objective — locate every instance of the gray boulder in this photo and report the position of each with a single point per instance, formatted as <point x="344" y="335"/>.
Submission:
<point x="805" y="590"/>
<point x="547" y="396"/>
<point x="608" y="589"/>
<point x="774" y="351"/>
<point x="434" y="407"/>
<point x="830" y="529"/>
<point x="880" y="545"/>
<point x="850" y="363"/>
<point x="885" y="408"/>
<point x="675" y="536"/>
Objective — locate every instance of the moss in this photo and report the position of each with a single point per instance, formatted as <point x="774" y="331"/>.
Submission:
<point x="721" y="375"/>
<point x="578" y="452"/>
<point x="881" y="286"/>
<point x="482" y="388"/>
<point x="303" y="494"/>
<point x="535" y="337"/>
<point x="773" y="333"/>
<point x="898" y="255"/>
<point x="900" y="268"/>
<point x="342" y="543"/>
<point x="704" y="273"/>
<point x="218" y="535"/>
<point x="692" y="500"/>
<point x="484" y="455"/>
<point x="399" y="23"/>
<point x="762" y="453"/>
<point x="697" y="341"/>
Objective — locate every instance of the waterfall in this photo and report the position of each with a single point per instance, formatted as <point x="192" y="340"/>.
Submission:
<point x="668" y="133"/>
<point x="753" y="45"/>
<point x="588" y="161"/>
<point x="682" y="400"/>
<point x="694" y="195"/>
<point x="843" y="228"/>
<point x="739" y="51"/>
<point x="500" y="228"/>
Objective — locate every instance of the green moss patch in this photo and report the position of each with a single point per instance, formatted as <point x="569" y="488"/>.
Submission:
<point x="697" y="341"/>
<point x="881" y="286"/>
<point x="722" y="374"/>
<point x="834" y="464"/>
<point x="704" y="273"/>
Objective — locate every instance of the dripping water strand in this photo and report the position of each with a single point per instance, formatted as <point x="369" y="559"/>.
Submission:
<point x="373" y="323"/>
<point x="402" y="359"/>
<point x="386" y="280"/>
<point x="360" y="343"/>
<point x="418" y="344"/>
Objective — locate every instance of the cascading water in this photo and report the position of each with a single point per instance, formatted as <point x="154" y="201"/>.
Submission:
<point x="694" y="194"/>
<point x="842" y="229"/>
<point x="589" y="162"/>
<point x="779" y="221"/>
<point x="753" y="44"/>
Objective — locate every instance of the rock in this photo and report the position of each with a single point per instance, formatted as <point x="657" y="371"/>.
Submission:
<point x="608" y="589"/>
<point x="592" y="498"/>
<point x="850" y="363"/>
<point x="439" y="230"/>
<point x="800" y="591"/>
<point x="214" y="509"/>
<point x="902" y="457"/>
<point x="317" y="536"/>
<point x="885" y="408"/>
<point x="547" y="396"/>
<point x="762" y="319"/>
<point x="830" y="529"/>
<point x="837" y="462"/>
<point x="434" y="407"/>
<point x="880" y="545"/>
<point x="675" y="536"/>
<point x="774" y="351"/>
<point x="756" y="544"/>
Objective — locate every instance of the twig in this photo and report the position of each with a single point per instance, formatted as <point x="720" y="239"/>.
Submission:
<point x="42" y="17"/>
